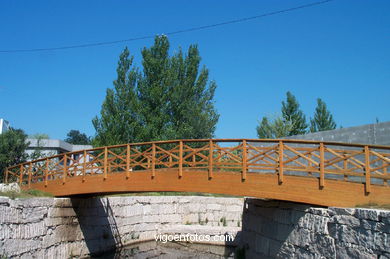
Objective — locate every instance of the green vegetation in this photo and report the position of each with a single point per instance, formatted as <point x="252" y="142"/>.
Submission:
<point x="323" y="119"/>
<point x="277" y="128"/>
<point x="37" y="154"/>
<point x="26" y="194"/>
<point x="77" y="138"/>
<point x="293" y="114"/>
<point x="292" y="121"/>
<point x="12" y="149"/>
<point x="171" y="98"/>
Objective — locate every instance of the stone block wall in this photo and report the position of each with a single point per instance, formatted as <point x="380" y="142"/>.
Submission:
<point x="63" y="227"/>
<point x="273" y="229"/>
<point x="372" y="134"/>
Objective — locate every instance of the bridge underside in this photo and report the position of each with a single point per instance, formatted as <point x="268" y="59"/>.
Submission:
<point x="293" y="188"/>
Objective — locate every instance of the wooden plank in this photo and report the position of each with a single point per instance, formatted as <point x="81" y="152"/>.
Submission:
<point x="29" y="175"/>
<point x="21" y="175"/>
<point x="153" y="160"/>
<point x="210" y="162"/>
<point x="180" y="159"/>
<point x="65" y="169"/>
<point x="46" y="171"/>
<point x="84" y="164"/>
<point x="322" y="165"/>
<point x="280" y="167"/>
<point x="105" y="163"/>
<point x="128" y="150"/>
<point x="244" y="160"/>
<point x="367" y="169"/>
<point x="295" y="189"/>
<point x="6" y="175"/>
<point x="345" y="166"/>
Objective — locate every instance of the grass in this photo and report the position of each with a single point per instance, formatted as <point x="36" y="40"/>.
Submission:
<point x="26" y="194"/>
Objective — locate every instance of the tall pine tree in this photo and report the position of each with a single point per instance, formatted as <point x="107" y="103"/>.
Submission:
<point x="171" y="98"/>
<point x="292" y="113"/>
<point x="120" y="121"/>
<point x="276" y="128"/>
<point x="323" y="119"/>
<point x="264" y="130"/>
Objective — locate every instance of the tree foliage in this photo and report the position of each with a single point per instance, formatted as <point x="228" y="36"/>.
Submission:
<point x="39" y="136"/>
<point x="323" y="119"/>
<point x="292" y="113"/>
<point x="276" y="128"/>
<point x="12" y="149"/>
<point x="171" y="98"/>
<point x="77" y="138"/>
<point x="291" y="122"/>
<point x="38" y="150"/>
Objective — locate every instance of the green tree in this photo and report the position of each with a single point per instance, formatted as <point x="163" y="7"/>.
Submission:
<point x="12" y="149"/>
<point x="37" y="153"/>
<point x="264" y="130"/>
<point x="39" y="136"/>
<point x="77" y="138"/>
<point x="292" y="113"/>
<point x="119" y="121"/>
<point x="171" y="98"/>
<point x="277" y="128"/>
<point x="323" y="119"/>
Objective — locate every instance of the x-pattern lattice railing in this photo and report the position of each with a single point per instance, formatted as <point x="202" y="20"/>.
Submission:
<point x="367" y="164"/>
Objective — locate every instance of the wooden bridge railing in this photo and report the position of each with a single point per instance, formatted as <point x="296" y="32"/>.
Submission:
<point x="326" y="161"/>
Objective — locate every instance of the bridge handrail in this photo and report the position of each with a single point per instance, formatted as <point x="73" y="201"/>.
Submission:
<point x="312" y="157"/>
<point x="292" y="141"/>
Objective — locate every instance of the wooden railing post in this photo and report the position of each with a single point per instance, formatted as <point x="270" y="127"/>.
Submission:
<point x="244" y="160"/>
<point x="21" y="175"/>
<point x="367" y="169"/>
<point x="29" y="175"/>
<point x="65" y="168"/>
<point x="180" y="158"/>
<point x="105" y="165"/>
<point x="280" y="168"/>
<point x="384" y="172"/>
<point x="322" y="165"/>
<point x="6" y="175"/>
<point x="153" y="160"/>
<point x="128" y="150"/>
<point x="84" y="165"/>
<point x="345" y="167"/>
<point x="210" y="159"/>
<point x="46" y="170"/>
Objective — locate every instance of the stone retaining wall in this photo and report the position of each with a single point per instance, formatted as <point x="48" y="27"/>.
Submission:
<point x="274" y="229"/>
<point x="62" y="227"/>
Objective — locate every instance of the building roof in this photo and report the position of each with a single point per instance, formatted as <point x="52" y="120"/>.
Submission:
<point x="55" y="144"/>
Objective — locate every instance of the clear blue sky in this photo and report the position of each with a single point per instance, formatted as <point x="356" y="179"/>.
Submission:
<point x="338" y="51"/>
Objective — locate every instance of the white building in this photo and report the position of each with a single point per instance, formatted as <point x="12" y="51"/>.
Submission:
<point x="4" y="126"/>
<point x="51" y="147"/>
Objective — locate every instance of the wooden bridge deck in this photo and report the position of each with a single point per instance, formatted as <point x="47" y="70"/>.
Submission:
<point x="322" y="173"/>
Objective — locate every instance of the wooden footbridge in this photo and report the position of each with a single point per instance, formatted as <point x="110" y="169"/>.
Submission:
<point x="322" y="173"/>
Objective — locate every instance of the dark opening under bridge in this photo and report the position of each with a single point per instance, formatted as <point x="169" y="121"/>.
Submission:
<point x="322" y="173"/>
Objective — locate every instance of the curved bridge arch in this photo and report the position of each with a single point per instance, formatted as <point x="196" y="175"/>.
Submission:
<point x="322" y="173"/>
